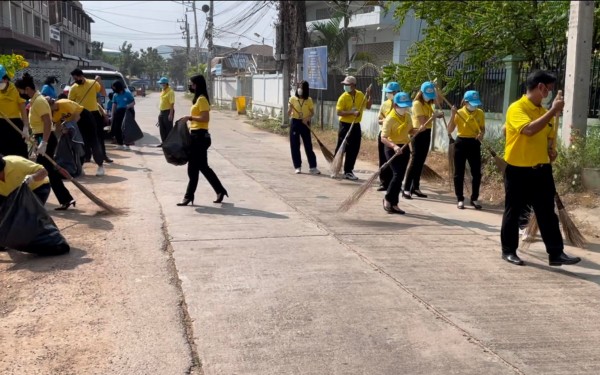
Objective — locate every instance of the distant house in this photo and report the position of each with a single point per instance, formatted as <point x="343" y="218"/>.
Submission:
<point x="252" y="59"/>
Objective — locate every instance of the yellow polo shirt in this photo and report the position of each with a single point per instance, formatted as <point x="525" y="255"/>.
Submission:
<point x="301" y="108"/>
<point x="347" y="102"/>
<point x="167" y="98"/>
<point x="200" y="106"/>
<point x="39" y="107"/>
<point x="396" y="127"/>
<point x="85" y="94"/>
<point x="66" y="109"/>
<point x="10" y="101"/>
<point x="385" y="109"/>
<point x="475" y="122"/>
<point x="421" y="109"/>
<point x="523" y="150"/>
<point x="15" y="171"/>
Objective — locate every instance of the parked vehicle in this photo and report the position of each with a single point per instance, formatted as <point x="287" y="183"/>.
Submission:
<point x="107" y="76"/>
<point x="179" y="88"/>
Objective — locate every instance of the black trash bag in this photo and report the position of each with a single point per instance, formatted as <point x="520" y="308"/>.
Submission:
<point x="177" y="147"/>
<point x="69" y="151"/>
<point x="130" y="128"/>
<point x="26" y="226"/>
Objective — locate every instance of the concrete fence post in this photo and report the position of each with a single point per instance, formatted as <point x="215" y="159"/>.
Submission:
<point x="511" y="82"/>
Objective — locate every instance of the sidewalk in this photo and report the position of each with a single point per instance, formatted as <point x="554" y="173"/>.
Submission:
<point x="277" y="282"/>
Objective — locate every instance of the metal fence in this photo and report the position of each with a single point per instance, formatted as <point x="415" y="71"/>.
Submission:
<point x="490" y="87"/>
<point x="365" y="75"/>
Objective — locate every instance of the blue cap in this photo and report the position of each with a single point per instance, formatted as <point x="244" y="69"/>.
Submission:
<point x="428" y="90"/>
<point x="392" y="87"/>
<point x="163" y="80"/>
<point x="402" y="100"/>
<point x="2" y="71"/>
<point x="473" y="98"/>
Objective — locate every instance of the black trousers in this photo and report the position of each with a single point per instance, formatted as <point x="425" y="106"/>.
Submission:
<point x="467" y="150"/>
<point x="199" y="163"/>
<point x="420" y="149"/>
<point x="352" y="146"/>
<point x="386" y="175"/>
<point x="87" y="127"/>
<point x="164" y="125"/>
<point x="11" y="142"/>
<point x="299" y="130"/>
<point x="398" y="168"/>
<point x="99" y="119"/>
<point x="117" y="124"/>
<point x="56" y="181"/>
<point x="42" y="193"/>
<point x="535" y="186"/>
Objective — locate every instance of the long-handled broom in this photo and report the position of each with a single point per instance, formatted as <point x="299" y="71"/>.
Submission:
<point x="326" y="153"/>
<point x="364" y="187"/>
<point x="66" y="174"/>
<point x="336" y="164"/>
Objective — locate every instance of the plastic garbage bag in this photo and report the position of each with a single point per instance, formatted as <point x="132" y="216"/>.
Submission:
<point x="26" y="226"/>
<point x="130" y="128"/>
<point x="69" y="150"/>
<point x="177" y="147"/>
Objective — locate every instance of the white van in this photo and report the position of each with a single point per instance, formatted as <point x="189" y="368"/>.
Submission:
<point x="108" y="77"/>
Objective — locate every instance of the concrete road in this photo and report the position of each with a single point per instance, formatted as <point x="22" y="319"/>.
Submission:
<point x="274" y="281"/>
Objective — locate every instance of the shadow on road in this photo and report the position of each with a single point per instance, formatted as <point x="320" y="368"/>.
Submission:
<point x="229" y="209"/>
<point x="37" y="263"/>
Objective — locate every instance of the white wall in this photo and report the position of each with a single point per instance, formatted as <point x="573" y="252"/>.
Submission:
<point x="225" y="88"/>
<point x="267" y="94"/>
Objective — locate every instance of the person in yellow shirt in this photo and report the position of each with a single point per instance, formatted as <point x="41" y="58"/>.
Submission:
<point x="301" y="110"/>
<point x="350" y="106"/>
<point x="84" y="92"/>
<point x="167" y="109"/>
<point x="40" y="119"/>
<point x="395" y="133"/>
<point x="65" y="110"/>
<point x="530" y="132"/>
<point x="468" y="145"/>
<point x="16" y="170"/>
<point x="386" y="108"/>
<point x="198" y="125"/>
<point x="422" y="110"/>
<point x="12" y="106"/>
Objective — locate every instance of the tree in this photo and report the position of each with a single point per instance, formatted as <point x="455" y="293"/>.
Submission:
<point x="130" y="62"/>
<point x="478" y="32"/>
<point x="97" y="53"/>
<point x="197" y="69"/>
<point x="153" y="64"/>
<point x="329" y="34"/>
<point x="177" y="65"/>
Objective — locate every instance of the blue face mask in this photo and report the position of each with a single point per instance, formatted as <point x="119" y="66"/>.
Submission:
<point x="347" y="88"/>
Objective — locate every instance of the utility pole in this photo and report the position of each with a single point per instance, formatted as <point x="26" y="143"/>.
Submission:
<point x="186" y="35"/>
<point x="209" y="37"/>
<point x="577" y="79"/>
<point x="282" y="41"/>
<point x="196" y="32"/>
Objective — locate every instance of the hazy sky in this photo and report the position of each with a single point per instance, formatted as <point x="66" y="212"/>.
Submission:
<point x="153" y="23"/>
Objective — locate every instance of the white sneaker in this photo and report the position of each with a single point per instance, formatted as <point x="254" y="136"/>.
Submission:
<point x="314" y="171"/>
<point x="121" y="147"/>
<point x="461" y="205"/>
<point x="350" y="176"/>
<point x="298" y="171"/>
<point x="100" y="171"/>
<point x="126" y="148"/>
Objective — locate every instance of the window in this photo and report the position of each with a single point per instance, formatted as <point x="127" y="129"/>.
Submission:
<point x="27" y="30"/>
<point x="45" y="31"/>
<point x="37" y="27"/>
<point x="16" y="21"/>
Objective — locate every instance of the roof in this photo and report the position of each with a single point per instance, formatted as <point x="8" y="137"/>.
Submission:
<point x="258" y="49"/>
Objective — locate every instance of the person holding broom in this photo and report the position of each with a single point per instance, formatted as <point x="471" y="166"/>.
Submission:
<point x="386" y="108"/>
<point x="301" y="110"/>
<point x="394" y="135"/>
<point x="40" y="118"/>
<point x="350" y="106"/>
<point x="468" y="145"/>
<point x="422" y="110"/>
<point x="528" y="178"/>
<point x="12" y="106"/>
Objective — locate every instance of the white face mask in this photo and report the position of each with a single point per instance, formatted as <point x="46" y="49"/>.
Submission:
<point x="548" y="99"/>
<point x="3" y="85"/>
<point x="390" y="95"/>
<point x="347" y="88"/>
<point x="471" y="108"/>
<point x="401" y="111"/>
<point x="300" y="92"/>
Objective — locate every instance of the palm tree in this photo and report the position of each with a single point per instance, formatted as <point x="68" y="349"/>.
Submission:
<point x="336" y="40"/>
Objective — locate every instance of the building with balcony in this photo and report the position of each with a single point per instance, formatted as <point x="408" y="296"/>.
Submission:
<point x="25" y="29"/>
<point x="70" y="30"/>
<point x="375" y="35"/>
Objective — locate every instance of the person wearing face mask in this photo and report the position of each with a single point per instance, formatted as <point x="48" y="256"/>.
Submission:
<point x="198" y="125"/>
<point x="395" y="134"/>
<point x="40" y="118"/>
<point x="349" y="110"/>
<point x="528" y="152"/>
<point x="48" y="88"/>
<point x="386" y="108"/>
<point x="83" y="91"/>
<point x="12" y="106"/>
<point x="301" y="110"/>
<point x="167" y="109"/>
<point x="122" y="101"/>
<point x="468" y="145"/>
<point x="422" y="110"/>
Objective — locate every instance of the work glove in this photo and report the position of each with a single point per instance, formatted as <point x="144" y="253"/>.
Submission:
<point x="25" y="132"/>
<point x="28" y="179"/>
<point x="41" y="149"/>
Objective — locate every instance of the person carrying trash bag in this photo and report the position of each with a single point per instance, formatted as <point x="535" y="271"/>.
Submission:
<point x="16" y="170"/>
<point x="177" y="147"/>
<point x="26" y="226"/>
